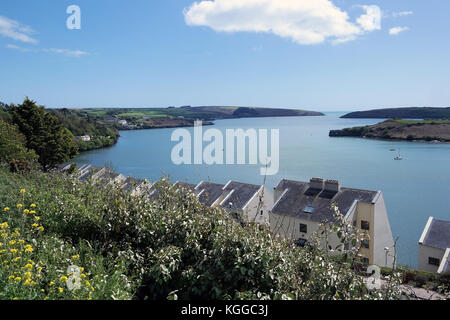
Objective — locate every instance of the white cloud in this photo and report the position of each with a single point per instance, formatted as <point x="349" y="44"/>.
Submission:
<point x="403" y="13"/>
<point x="303" y="21"/>
<point x="68" y="52"/>
<point x="397" y="30"/>
<point x="14" y="30"/>
<point x="14" y="47"/>
<point x="371" y="20"/>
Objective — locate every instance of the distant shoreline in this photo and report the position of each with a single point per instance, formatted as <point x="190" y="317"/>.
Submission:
<point x="431" y="131"/>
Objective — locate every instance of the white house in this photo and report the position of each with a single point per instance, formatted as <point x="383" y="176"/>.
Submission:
<point x="300" y="207"/>
<point x="243" y="201"/>
<point x="434" y="246"/>
<point x="84" y="138"/>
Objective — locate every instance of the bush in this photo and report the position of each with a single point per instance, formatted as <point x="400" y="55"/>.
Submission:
<point x="174" y="247"/>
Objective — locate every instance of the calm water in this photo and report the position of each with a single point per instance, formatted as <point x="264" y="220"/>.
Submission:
<point x="414" y="188"/>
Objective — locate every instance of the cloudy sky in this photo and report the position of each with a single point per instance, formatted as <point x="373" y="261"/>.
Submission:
<point x="325" y="55"/>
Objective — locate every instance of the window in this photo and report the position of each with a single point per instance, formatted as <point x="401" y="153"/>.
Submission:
<point x="365" y="260"/>
<point x="303" y="228"/>
<point x="262" y="212"/>
<point x="309" y="209"/>
<point x="434" y="261"/>
<point x="365" y="244"/>
<point x="365" y="225"/>
<point x="354" y="223"/>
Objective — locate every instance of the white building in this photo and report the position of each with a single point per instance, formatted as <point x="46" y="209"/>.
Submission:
<point x="243" y="201"/>
<point x="84" y="138"/>
<point x="434" y="246"/>
<point x="300" y="207"/>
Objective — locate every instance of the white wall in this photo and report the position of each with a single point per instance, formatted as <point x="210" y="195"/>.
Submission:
<point x="252" y="210"/>
<point x="424" y="253"/>
<point x="382" y="235"/>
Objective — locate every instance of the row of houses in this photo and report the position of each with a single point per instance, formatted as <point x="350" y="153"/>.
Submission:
<point x="295" y="210"/>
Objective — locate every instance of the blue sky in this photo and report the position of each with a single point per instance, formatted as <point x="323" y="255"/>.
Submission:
<point x="159" y="53"/>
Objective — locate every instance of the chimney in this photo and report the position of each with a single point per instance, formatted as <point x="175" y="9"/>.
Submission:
<point x="316" y="183"/>
<point x="332" y="185"/>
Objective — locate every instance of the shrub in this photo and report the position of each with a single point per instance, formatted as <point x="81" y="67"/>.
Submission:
<point x="175" y="247"/>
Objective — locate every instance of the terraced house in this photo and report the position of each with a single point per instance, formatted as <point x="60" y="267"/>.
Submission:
<point x="300" y="207"/>
<point x="243" y="201"/>
<point x="434" y="247"/>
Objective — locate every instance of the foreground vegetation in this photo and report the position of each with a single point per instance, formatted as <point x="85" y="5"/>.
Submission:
<point x="127" y="248"/>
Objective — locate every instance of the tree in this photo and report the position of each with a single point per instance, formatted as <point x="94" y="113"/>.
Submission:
<point x="12" y="145"/>
<point x="44" y="134"/>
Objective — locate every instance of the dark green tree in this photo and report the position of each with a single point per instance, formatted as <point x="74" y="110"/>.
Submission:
<point x="12" y="145"/>
<point x="44" y="134"/>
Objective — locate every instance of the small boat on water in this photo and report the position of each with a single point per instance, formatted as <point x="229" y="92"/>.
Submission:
<point x="399" y="157"/>
<point x="392" y="150"/>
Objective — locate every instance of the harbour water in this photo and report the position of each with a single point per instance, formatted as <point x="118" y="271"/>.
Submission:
<point x="414" y="189"/>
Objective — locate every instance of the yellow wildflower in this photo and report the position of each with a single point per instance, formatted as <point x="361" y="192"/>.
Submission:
<point x="6" y="209"/>
<point x="41" y="228"/>
<point x="19" y="205"/>
<point x="34" y="225"/>
<point x="51" y="284"/>
<point x="13" y="250"/>
<point x="27" y="274"/>
<point x="29" y="266"/>
<point x="32" y="212"/>
<point x="12" y="242"/>
<point x="63" y="278"/>
<point x="39" y="269"/>
<point x="33" y="205"/>
<point x="77" y="256"/>
<point x="37" y="218"/>
<point x="11" y="277"/>
<point x="60" y="289"/>
<point x="81" y="269"/>
<point x="21" y="241"/>
<point x="23" y="190"/>
<point x="26" y="211"/>
<point x="82" y="276"/>
<point x="28" y="248"/>
<point x="87" y="283"/>
<point x="17" y="279"/>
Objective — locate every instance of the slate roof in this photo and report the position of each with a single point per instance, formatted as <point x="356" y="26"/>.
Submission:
<point x="301" y="201"/>
<point x="239" y="194"/>
<point x="186" y="185"/>
<point x="208" y="192"/>
<point x="131" y="184"/>
<point x="438" y="235"/>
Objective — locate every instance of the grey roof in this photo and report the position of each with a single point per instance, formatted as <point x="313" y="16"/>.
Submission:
<point x="85" y="174"/>
<point x="301" y="201"/>
<point x="241" y="195"/>
<point x="438" y="235"/>
<point x="186" y="185"/>
<point x="209" y="192"/>
<point x="131" y="184"/>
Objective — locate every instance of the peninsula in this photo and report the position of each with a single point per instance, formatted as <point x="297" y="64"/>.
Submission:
<point x="150" y="118"/>
<point x="401" y="113"/>
<point x="411" y="130"/>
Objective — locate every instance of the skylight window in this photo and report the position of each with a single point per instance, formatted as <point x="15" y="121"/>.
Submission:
<point x="309" y="209"/>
